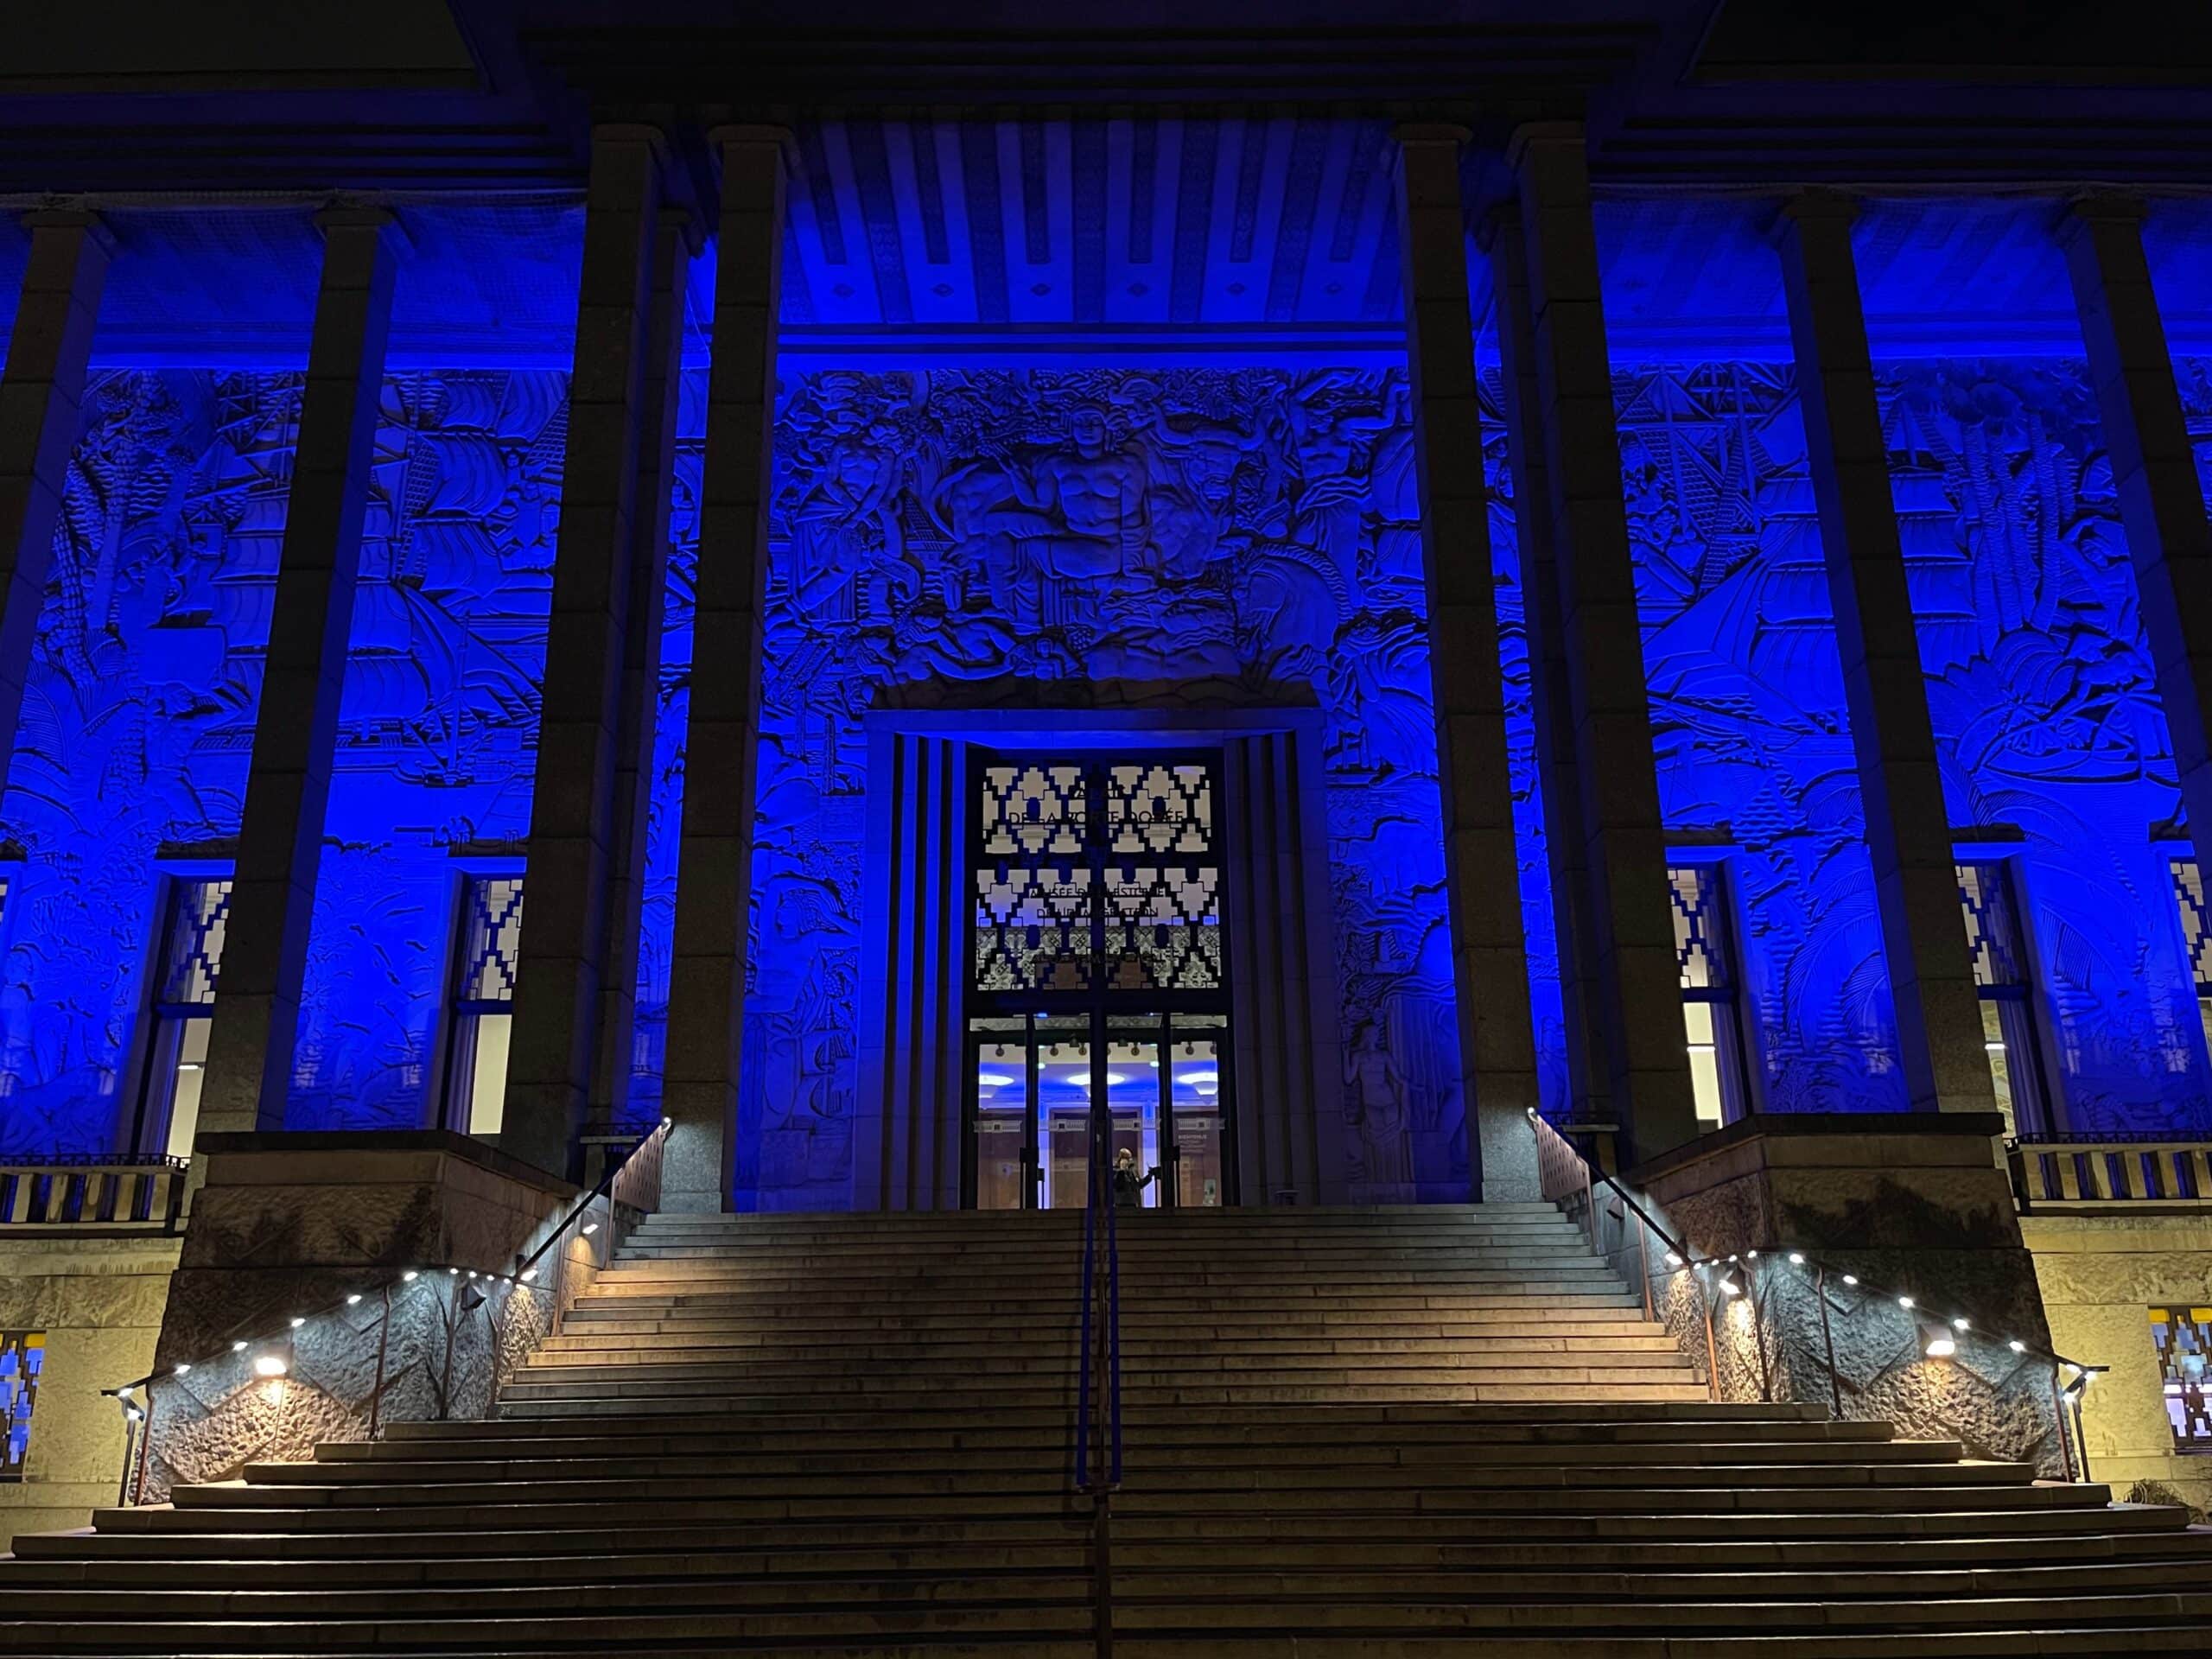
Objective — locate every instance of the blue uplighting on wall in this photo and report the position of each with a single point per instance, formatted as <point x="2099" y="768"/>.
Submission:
<point x="1279" y="561"/>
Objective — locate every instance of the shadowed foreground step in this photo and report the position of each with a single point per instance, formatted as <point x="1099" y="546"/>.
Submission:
<point x="1378" y="1434"/>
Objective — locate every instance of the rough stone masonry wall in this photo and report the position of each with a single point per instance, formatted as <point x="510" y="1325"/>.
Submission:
<point x="1911" y="1205"/>
<point x="2100" y="1276"/>
<point x="292" y="1224"/>
<point x="99" y="1301"/>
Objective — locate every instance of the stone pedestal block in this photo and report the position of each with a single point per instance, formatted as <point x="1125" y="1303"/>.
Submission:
<point x="288" y="1225"/>
<point x="1909" y="1204"/>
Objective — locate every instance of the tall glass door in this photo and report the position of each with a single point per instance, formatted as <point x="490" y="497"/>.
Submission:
<point x="1032" y="1084"/>
<point x="1096" y="985"/>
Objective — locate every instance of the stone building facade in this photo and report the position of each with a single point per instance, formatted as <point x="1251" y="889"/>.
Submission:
<point x="741" y="581"/>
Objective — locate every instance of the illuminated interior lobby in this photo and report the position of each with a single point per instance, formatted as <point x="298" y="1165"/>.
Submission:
<point x="894" y="608"/>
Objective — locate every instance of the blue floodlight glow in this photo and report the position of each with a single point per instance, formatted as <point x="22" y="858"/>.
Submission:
<point x="1279" y="561"/>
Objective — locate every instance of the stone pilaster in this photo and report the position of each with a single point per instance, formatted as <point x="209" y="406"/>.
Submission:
<point x="1497" y="1050"/>
<point x="41" y="388"/>
<point x="573" y="808"/>
<point x="714" y="877"/>
<point x="1631" y="928"/>
<point x="295" y="727"/>
<point x="1550" y="696"/>
<point x="641" y="664"/>
<point x="2154" y="473"/>
<point x="1908" y="834"/>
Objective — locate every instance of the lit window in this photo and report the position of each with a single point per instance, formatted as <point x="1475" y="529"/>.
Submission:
<point x="2001" y="974"/>
<point x="2196" y="935"/>
<point x="2183" y="1338"/>
<point x="184" y="1010"/>
<point x="1710" y="1015"/>
<point x="22" y="1354"/>
<point x="483" y="1003"/>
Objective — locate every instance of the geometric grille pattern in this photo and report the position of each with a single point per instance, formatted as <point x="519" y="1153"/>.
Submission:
<point x="2183" y="1338"/>
<point x="1163" y="923"/>
<point x="1700" y="943"/>
<point x="1080" y="885"/>
<point x="200" y="913"/>
<point x="491" y="944"/>
<point x="1992" y="931"/>
<point x="1032" y="928"/>
<point x="2195" y="921"/>
<point x="22" y="1354"/>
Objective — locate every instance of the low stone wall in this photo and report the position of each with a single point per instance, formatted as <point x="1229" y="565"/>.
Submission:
<point x="290" y="1226"/>
<point x="2100" y="1274"/>
<point x="97" y="1300"/>
<point x="1909" y="1204"/>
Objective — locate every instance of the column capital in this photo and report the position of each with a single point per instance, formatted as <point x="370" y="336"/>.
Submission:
<point x="1544" y="135"/>
<point x="2087" y="208"/>
<point x="1431" y="132"/>
<point x="70" y="218"/>
<point x="631" y="132"/>
<point x="363" y="216"/>
<point x="743" y="132"/>
<point x="1815" y="202"/>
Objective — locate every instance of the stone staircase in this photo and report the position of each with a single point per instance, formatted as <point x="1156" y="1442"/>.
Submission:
<point x="1384" y="1433"/>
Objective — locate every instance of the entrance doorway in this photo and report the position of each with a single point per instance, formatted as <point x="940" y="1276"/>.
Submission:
<point x="1098" y="980"/>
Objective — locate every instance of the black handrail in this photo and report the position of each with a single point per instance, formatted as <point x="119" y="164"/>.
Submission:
<point x="1082" y="1470"/>
<point x="1682" y="1259"/>
<point x="1112" y="1334"/>
<point x="528" y="1267"/>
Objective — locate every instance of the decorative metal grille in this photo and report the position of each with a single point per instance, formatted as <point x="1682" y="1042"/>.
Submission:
<point x="2183" y="1338"/>
<point x="22" y="1353"/>
<point x="1074" y="886"/>
<point x="1034" y="811"/>
<point x="1159" y="809"/>
<point x="200" y="914"/>
<point x="2195" y="921"/>
<point x="1032" y="928"/>
<point x="1992" y="930"/>
<point x="1701" y="931"/>
<point x="490" y="943"/>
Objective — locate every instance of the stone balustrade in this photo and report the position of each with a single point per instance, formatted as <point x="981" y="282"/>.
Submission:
<point x="2110" y="1169"/>
<point x="67" y="1194"/>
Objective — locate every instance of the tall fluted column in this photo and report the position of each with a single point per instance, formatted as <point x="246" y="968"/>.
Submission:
<point x="1925" y="946"/>
<point x="714" y="879"/>
<point x="558" y="1012"/>
<point x="1549" y="694"/>
<point x="1630" y="927"/>
<point x="641" y="667"/>
<point x="48" y="346"/>
<point x="2154" y="473"/>
<point x="1497" y="1048"/>
<point x="295" y="727"/>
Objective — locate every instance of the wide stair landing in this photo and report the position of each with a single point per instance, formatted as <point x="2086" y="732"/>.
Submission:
<point x="1384" y="1433"/>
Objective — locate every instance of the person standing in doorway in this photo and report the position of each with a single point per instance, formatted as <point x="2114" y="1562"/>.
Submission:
<point x="1128" y="1186"/>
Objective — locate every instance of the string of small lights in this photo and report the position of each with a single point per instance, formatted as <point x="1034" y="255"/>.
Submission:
<point x="270" y="1364"/>
<point x="1942" y="1329"/>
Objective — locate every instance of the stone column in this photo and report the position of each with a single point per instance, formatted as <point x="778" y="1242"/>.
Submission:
<point x="1497" y="1047"/>
<point x="296" y="728"/>
<point x="1631" y="926"/>
<point x="557" y="1011"/>
<point x="2154" y="472"/>
<point x="40" y="391"/>
<point x="1900" y="786"/>
<point x="714" y="876"/>
<point x="1549" y="694"/>
<point x="641" y="665"/>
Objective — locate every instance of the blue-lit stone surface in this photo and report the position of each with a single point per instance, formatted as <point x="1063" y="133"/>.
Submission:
<point x="1279" y="560"/>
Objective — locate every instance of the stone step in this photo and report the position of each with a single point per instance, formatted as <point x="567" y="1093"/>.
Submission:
<point x="1063" y="1345"/>
<point x="456" y="1559"/>
<point x="1240" y="1615"/>
<point x="586" y="1588"/>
